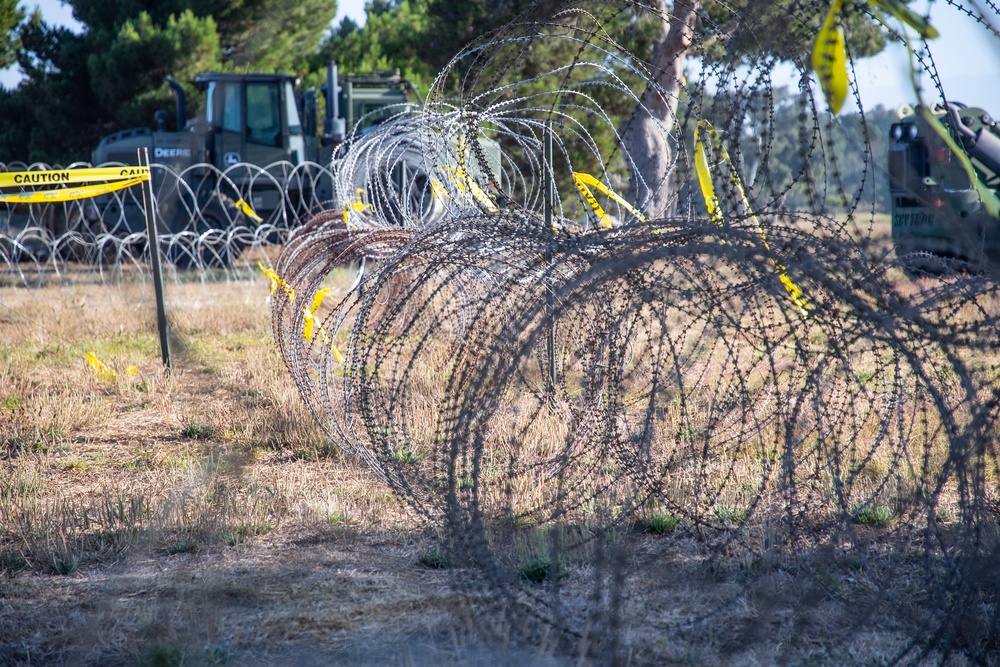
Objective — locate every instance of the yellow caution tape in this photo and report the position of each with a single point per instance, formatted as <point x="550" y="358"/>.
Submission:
<point x="829" y="58"/>
<point x="249" y="212"/>
<point x="708" y="190"/>
<point x="602" y="217"/>
<point x="479" y="195"/>
<point x="69" y="194"/>
<point x="104" y="374"/>
<point x="584" y="180"/>
<point x="71" y="176"/>
<point x="276" y="281"/>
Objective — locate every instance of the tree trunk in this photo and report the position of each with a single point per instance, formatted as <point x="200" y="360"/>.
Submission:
<point x="644" y="135"/>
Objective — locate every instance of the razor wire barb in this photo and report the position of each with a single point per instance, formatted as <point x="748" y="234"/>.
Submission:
<point x="751" y="369"/>
<point x="761" y="372"/>
<point x="208" y="225"/>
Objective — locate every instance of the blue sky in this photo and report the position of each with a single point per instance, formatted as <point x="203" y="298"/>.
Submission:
<point x="967" y="57"/>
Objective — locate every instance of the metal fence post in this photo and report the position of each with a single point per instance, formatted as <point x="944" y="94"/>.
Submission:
<point x="547" y="197"/>
<point x="154" y="253"/>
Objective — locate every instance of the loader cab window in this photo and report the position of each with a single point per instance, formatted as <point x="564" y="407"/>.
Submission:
<point x="264" y="114"/>
<point x="291" y="110"/>
<point x="225" y="106"/>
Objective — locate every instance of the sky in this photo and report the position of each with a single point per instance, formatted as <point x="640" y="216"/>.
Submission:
<point x="967" y="57"/>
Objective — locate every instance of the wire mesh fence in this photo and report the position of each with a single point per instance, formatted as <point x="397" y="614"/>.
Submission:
<point x="544" y="353"/>
<point x="211" y="223"/>
<point x="610" y="282"/>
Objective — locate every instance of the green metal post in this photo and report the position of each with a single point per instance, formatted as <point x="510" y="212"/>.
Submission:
<point x="154" y="253"/>
<point x="548" y="194"/>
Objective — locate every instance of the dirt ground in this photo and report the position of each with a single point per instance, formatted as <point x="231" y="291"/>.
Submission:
<point x="203" y="518"/>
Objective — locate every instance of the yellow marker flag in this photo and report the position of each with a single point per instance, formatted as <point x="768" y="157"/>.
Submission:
<point x="276" y="281"/>
<point x="584" y="180"/>
<point x="336" y="354"/>
<point x="711" y="203"/>
<point x="247" y="211"/>
<point x="829" y="59"/>
<point x="69" y="194"/>
<point x="705" y="176"/>
<point x="104" y="374"/>
<point x="310" y="313"/>
<point x="902" y="12"/>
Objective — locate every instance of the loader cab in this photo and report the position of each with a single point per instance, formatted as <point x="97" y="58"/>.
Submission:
<point x="251" y="118"/>
<point x="366" y="101"/>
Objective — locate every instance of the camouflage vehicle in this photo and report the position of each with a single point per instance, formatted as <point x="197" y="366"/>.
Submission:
<point x="940" y="222"/>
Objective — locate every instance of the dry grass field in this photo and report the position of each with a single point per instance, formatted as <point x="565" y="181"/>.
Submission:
<point x="204" y="518"/>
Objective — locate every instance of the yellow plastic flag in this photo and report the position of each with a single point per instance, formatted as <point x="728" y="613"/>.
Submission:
<point x="712" y="204"/>
<point x="902" y="12"/>
<point x="829" y="58"/>
<point x="104" y="373"/>
<point x="705" y="176"/>
<point x="276" y="281"/>
<point x="248" y="211"/>
<point x="310" y="313"/>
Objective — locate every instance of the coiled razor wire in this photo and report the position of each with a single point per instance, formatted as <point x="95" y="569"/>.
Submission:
<point x="536" y="374"/>
<point x="203" y="227"/>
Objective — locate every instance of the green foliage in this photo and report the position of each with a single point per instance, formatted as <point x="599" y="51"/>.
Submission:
<point x="198" y="431"/>
<point x="876" y="516"/>
<point x="435" y="559"/>
<point x="538" y="570"/>
<point x="81" y="87"/>
<point x="735" y="29"/>
<point x="661" y="523"/>
<point x="129" y="75"/>
<point x="10" y="17"/>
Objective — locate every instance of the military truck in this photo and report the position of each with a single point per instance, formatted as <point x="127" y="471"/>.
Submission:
<point x="940" y="222"/>
<point x="249" y="119"/>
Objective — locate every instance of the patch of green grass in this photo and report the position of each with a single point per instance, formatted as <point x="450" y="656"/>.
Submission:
<point x="538" y="570"/>
<point x="74" y="466"/>
<point x="405" y="456"/>
<point x="12" y="562"/>
<point x="875" y="516"/>
<point x="12" y="402"/>
<point x="336" y="517"/>
<point x="66" y="564"/>
<point x="198" y="431"/>
<point x="162" y="654"/>
<point x="185" y="546"/>
<point x="729" y="515"/>
<point x="661" y="523"/>
<point x="324" y="452"/>
<point x="241" y="533"/>
<point x="435" y="559"/>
